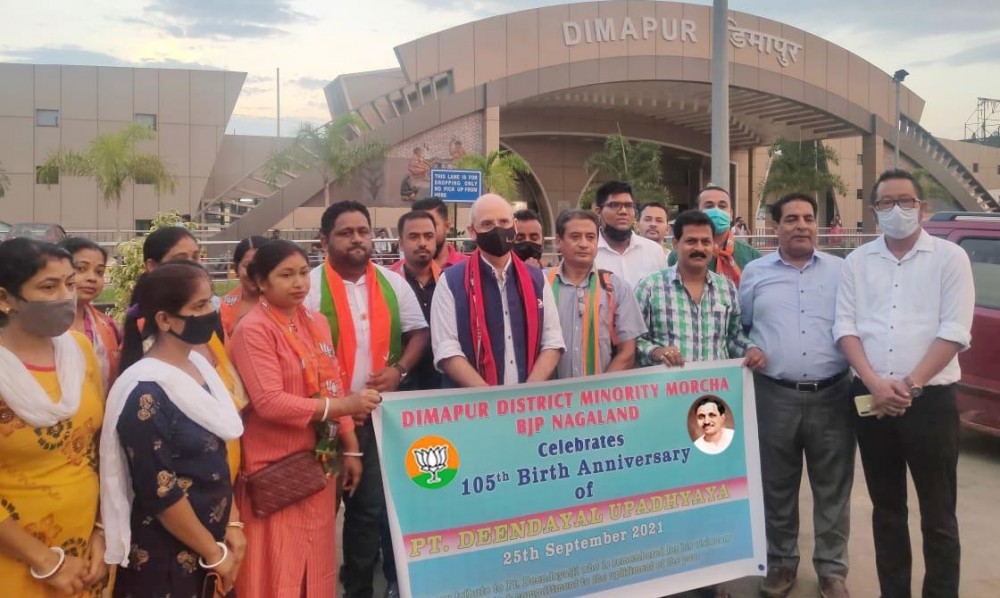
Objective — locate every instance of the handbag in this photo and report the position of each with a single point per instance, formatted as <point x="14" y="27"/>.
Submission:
<point x="285" y="482"/>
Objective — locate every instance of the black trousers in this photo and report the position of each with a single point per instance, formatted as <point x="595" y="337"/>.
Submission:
<point x="362" y="520"/>
<point x="925" y="440"/>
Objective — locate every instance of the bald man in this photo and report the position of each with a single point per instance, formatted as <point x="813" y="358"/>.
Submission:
<point x="494" y="320"/>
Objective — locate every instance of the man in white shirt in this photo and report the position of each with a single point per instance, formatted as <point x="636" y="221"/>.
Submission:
<point x="383" y="336"/>
<point x="494" y="318"/>
<point x="904" y="311"/>
<point x="626" y="254"/>
<point x="711" y="417"/>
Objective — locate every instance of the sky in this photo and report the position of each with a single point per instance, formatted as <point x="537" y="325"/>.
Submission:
<point x="951" y="49"/>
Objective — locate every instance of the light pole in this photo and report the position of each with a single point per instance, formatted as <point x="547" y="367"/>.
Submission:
<point x="897" y="78"/>
<point x="720" y="93"/>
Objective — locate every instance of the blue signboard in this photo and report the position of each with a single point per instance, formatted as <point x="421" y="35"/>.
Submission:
<point x="456" y="185"/>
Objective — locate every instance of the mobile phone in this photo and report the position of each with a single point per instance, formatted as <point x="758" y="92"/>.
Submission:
<point x="865" y="405"/>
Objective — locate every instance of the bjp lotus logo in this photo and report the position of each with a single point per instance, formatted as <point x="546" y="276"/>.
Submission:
<point x="432" y="462"/>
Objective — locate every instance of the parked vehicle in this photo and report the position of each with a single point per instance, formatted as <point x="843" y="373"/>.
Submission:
<point x="40" y="231"/>
<point x="979" y="391"/>
<point x="4" y="229"/>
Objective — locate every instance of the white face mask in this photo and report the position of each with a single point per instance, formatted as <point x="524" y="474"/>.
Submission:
<point x="898" y="223"/>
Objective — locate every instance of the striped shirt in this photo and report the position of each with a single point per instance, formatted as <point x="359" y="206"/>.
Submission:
<point x="705" y="331"/>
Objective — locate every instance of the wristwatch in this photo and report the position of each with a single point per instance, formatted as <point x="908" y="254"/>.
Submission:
<point x="915" y="389"/>
<point x="402" y="372"/>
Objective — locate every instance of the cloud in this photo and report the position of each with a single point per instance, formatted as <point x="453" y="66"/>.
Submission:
<point x="222" y="19"/>
<point x="75" y="55"/>
<point x="311" y="83"/>
<point x="984" y="54"/>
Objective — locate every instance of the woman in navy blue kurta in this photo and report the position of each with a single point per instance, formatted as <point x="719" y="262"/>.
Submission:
<point x="169" y="456"/>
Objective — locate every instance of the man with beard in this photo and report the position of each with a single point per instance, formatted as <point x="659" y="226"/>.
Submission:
<point x="529" y="240"/>
<point x="731" y="254"/>
<point x="379" y="334"/>
<point x="494" y="320"/>
<point x="691" y="313"/>
<point x="417" y="243"/>
<point x="629" y="256"/>
<point x="654" y="224"/>
<point x="445" y="254"/>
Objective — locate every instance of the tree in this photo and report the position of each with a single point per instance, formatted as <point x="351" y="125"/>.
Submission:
<point x="112" y="161"/>
<point x="129" y="265"/>
<point x="634" y="162"/>
<point x="328" y="148"/>
<point x="935" y="196"/>
<point x="4" y="181"/>
<point x="500" y="168"/>
<point x="801" y="166"/>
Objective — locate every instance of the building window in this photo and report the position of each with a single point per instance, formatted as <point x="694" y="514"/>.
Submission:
<point x="47" y="118"/>
<point x="985" y="257"/>
<point x="146" y="119"/>
<point x="975" y="167"/>
<point x="40" y="181"/>
<point x="861" y="159"/>
<point x="861" y="193"/>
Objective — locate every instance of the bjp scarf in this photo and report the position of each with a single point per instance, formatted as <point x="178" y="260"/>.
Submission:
<point x="398" y="268"/>
<point x="320" y="370"/>
<point x="591" y="319"/>
<point x="386" y="342"/>
<point x="725" y="261"/>
<point x="229" y="310"/>
<point x="485" y="364"/>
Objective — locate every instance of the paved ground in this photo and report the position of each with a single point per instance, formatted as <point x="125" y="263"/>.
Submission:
<point x="978" y="517"/>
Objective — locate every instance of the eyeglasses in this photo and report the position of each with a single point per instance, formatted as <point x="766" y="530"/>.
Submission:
<point x="907" y="203"/>
<point x="618" y="206"/>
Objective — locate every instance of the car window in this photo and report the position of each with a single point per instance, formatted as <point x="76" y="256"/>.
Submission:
<point x="985" y="257"/>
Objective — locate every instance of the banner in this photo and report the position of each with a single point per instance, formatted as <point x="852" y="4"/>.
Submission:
<point x="641" y="483"/>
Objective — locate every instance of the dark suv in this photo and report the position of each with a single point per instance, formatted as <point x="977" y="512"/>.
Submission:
<point x="979" y="391"/>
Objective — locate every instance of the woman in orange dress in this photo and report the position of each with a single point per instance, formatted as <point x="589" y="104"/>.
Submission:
<point x="51" y="410"/>
<point x="285" y="355"/>
<point x="90" y="261"/>
<point x="238" y="302"/>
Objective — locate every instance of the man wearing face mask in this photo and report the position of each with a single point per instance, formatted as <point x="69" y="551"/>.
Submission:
<point x="494" y="320"/>
<point x="904" y="310"/>
<point x="731" y="254"/>
<point x="529" y="240"/>
<point x="628" y="256"/>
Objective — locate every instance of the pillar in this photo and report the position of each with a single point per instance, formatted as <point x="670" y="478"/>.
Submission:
<point x="491" y="129"/>
<point x="872" y="166"/>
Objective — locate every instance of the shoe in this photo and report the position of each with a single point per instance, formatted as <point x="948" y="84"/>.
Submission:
<point x="833" y="587"/>
<point x="778" y="583"/>
<point x="392" y="591"/>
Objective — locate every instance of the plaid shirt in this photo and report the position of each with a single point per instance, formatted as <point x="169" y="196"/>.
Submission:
<point x="705" y="331"/>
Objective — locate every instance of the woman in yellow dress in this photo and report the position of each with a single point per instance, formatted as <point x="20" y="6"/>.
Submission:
<point x="51" y="409"/>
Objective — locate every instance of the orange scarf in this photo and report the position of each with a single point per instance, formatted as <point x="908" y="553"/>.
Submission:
<point x="104" y="336"/>
<point x="320" y="370"/>
<point x="725" y="262"/>
<point x="383" y="320"/>
<point x="229" y="310"/>
<point x="399" y="269"/>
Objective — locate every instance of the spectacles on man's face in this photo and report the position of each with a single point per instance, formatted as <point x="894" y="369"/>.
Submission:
<point x="618" y="206"/>
<point x="886" y="204"/>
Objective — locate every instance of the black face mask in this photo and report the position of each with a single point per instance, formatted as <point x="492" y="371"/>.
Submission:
<point x="618" y="236"/>
<point x="527" y="250"/>
<point x="497" y="242"/>
<point x="198" y="330"/>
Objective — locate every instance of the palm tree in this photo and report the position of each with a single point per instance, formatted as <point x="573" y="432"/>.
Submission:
<point x="500" y="168"/>
<point x="801" y="166"/>
<point x="334" y="148"/>
<point x="4" y="181"/>
<point x="634" y="162"/>
<point x="112" y="161"/>
<point x="935" y="196"/>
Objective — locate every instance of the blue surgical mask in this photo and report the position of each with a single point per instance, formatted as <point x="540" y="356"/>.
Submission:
<point x="720" y="218"/>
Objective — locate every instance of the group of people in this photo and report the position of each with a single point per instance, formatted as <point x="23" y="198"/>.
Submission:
<point x="164" y="447"/>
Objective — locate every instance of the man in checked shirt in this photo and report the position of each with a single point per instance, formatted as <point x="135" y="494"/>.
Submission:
<point x="691" y="313"/>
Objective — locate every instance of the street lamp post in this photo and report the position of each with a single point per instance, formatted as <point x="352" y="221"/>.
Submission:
<point x="897" y="78"/>
<point x="720" y="93"/>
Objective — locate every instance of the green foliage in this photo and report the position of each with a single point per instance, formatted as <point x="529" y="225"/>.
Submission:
<point x="129" y="265"/>
<point x="4" y="181"/>
<point x="936" y="197"/>
<point x="501" y="170"/>
<point x="328" y="148"/>
<point x="112" y="161"/>
<point x="634" y="162"/>
<point x="801" y="166"/>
